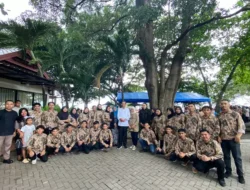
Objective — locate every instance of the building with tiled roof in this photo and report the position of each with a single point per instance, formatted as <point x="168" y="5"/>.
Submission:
<point x="20" y="80"/>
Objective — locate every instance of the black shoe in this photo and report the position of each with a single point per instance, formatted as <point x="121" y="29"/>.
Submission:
<point x="77" y="152"/>
<point x="227" y="174"/>
<point x="143" y="150"/>
<point x="8" y="161"/>
<point x="222" y="182"/>
<point x="125" y="147"/>
<point x="241" y="179"/>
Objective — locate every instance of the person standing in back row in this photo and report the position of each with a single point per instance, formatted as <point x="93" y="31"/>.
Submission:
<point x="232" y="127"/>
<point x="123" y="119"/>
<point x="49" y="118"/>
<point x="7" y="128"/>
<point x="192" y="122"/>
<point x="144" y="116"/>
<point x="17" y="106"/>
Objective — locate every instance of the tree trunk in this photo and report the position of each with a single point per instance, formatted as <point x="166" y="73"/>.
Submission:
<point x="40" y="72"/>
<point x="145" y="40"/>
<point x="224" y="88"/>
<point x="172" y="83"/>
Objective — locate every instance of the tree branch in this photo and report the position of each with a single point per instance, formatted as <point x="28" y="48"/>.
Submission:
<point x="112" y="27"/>
<point x="189" y="29"/>
<point x="83" y="1"/>
<point x="228" y="80"/>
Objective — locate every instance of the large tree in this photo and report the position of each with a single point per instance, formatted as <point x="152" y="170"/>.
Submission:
<point x="188" y="15"/>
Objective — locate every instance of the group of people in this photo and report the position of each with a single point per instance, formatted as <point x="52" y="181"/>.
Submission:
<point x="203" y="139"/>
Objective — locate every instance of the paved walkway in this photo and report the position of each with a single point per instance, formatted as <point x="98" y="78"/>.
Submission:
<point x="117" y="169"/>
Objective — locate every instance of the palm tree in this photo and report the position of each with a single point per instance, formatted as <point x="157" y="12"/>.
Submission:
<point x="26" y="36"/>
<point x="120" y="47"/>
<point x="59" y="57"/>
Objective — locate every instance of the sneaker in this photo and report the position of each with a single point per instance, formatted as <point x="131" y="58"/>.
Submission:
<point x="120" y="147"/>
<point x="33" y="161"/>
<point x="227" y="174"/>
<point x="131" y="146"/>
<point x="194" y="170"/>
<point x="25" y="161"/>
<point x="222" y="182"/>
<point x="185" y="163"/>
<point x="241" y="179"/>
<point x="134" y="148"/>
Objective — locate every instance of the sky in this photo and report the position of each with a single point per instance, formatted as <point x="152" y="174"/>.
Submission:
<point x="16" y="7"/>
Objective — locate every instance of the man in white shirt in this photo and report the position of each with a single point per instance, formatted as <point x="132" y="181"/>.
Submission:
<point x="17" y="106"/>
<point x="123" y="117"/>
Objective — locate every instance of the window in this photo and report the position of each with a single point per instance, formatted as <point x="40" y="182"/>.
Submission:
<point x="6" y="94"/>
<point x="38" y="98"/>
<point x="26" y="99"/>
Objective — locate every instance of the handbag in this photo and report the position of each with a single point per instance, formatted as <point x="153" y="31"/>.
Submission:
<point x="19" y="144"/>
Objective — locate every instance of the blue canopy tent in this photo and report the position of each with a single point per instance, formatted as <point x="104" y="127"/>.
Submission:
<point x="183" y="97"/>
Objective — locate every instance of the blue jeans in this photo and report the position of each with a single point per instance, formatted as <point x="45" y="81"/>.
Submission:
<point x="145" y="146"/>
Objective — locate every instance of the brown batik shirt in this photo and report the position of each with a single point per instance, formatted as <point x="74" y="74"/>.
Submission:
<point x="37" y="117"/>
<point x="37" y="143"/>
<point x="54" y="141"/>
<point x="158" y="126"/>
<point x="185" y="146"/>
<point x="68" y="139"/>
<point x="50" y="119"/>
<point x="83" y="134"/>
<point x="211" y="124"/>
<point x="106" y="135"/>
<point x="211" y="149"/>
<point x="149" y="136"/>
<point x="231" y="123"/>
<point x="192" y="125"/>
<point x="94" y="134"/>
<point x="169" y="143"/>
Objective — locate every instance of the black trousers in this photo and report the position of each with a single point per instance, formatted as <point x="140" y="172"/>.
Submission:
<point x="122" y="137"/>
<point x="102" y="146"/>
<point x="62" y="149"/>
<point x="47" y="130"/>
<point x="229" y="146"/>
<point x="174" y="157"/>
<point x="96" y="146"/>
<point x="134" y="136"/>
<point x="43" y="158"/>
<point x="50" y="150"/>
<point x="84" y="148"/>
<point x="206" y="166"/>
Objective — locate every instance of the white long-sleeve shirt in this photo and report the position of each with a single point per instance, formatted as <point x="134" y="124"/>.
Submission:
<point x="123" y="113"/>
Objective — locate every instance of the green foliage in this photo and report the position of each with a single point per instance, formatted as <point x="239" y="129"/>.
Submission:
<point x="99" y="42"/>
<point x="57" y="108"/>
<point x="25" y="35"/>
